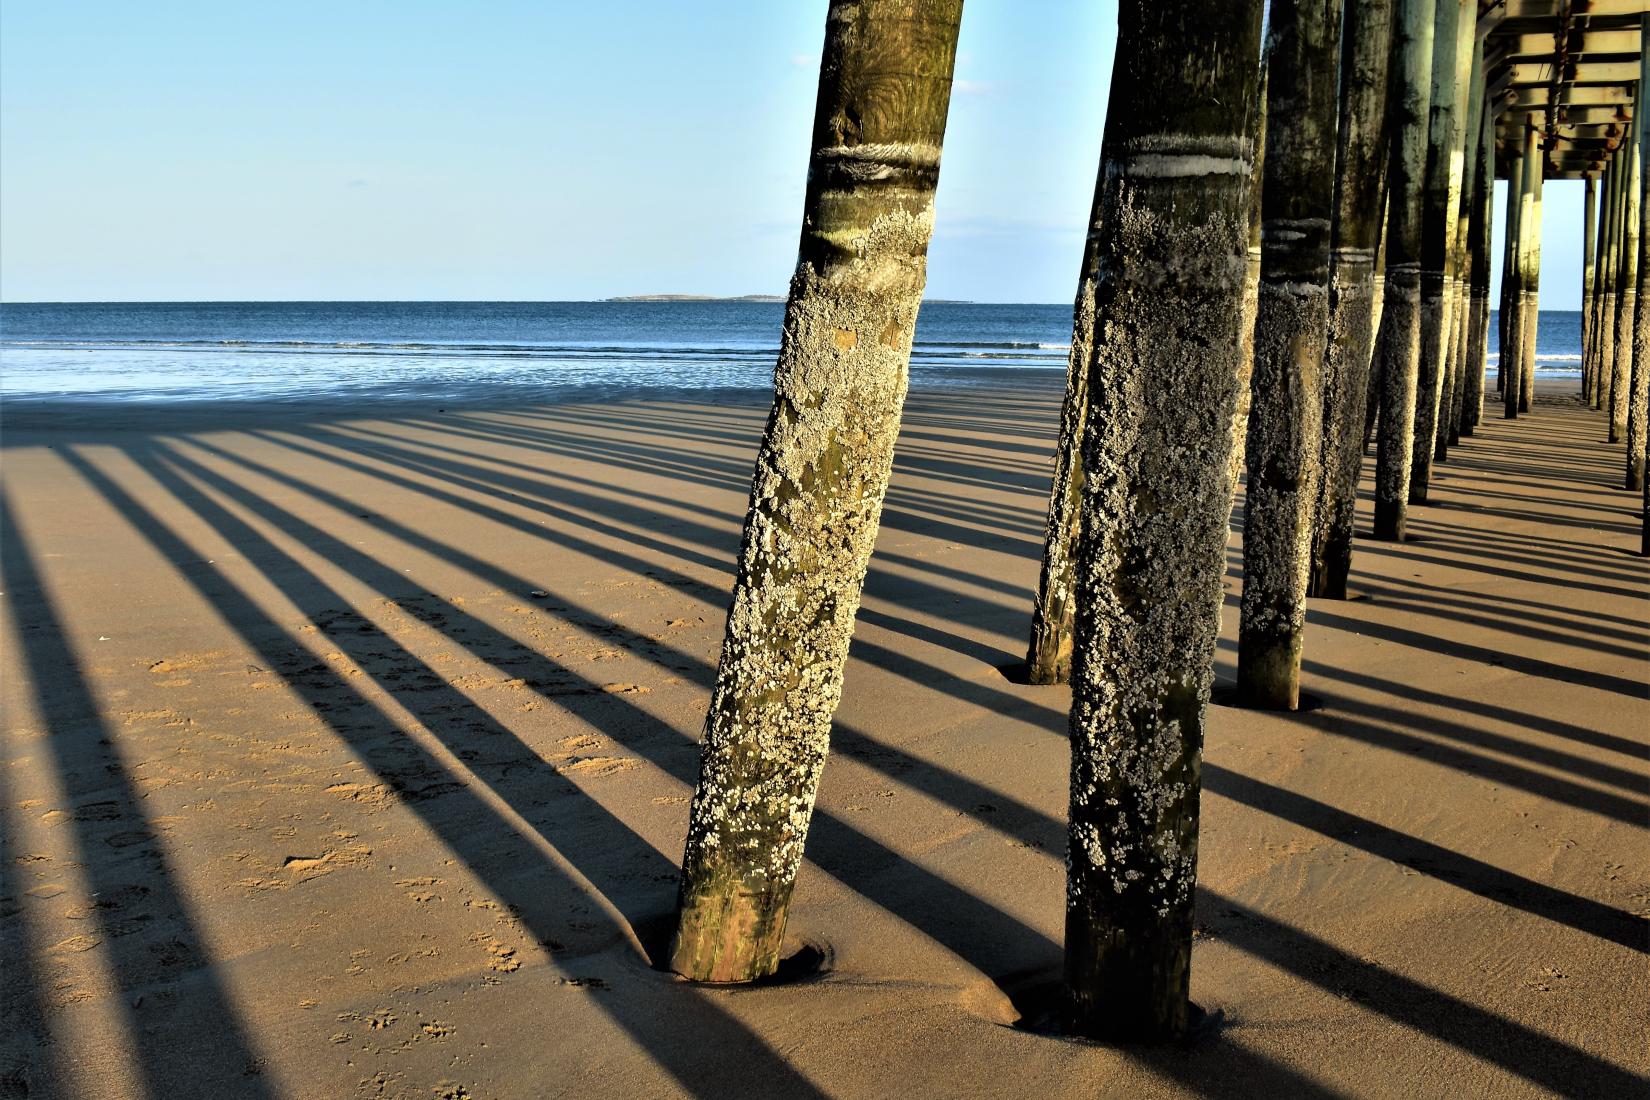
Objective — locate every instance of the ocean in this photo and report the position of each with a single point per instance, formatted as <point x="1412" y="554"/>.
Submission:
<point x="492" y="352"/>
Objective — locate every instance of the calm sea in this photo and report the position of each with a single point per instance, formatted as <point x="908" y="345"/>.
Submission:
<point x="462" y="352"/>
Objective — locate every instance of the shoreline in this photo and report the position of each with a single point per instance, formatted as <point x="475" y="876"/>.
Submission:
<point x="28" y="415"/>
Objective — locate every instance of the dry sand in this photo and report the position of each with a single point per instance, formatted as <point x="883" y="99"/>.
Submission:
<point x="351" y="758"/>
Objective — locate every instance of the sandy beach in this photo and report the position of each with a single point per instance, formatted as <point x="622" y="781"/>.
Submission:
<point x="350" y="758"/>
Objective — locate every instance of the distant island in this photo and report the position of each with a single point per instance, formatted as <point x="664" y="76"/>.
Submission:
<point x="748" y="298"/>
<point x="696" y="298"/>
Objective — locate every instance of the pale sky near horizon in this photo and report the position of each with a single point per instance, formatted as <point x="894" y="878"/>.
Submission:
<point x="518" y="151"/>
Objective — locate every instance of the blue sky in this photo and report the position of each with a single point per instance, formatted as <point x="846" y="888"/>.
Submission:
<point x="537" y="151"/>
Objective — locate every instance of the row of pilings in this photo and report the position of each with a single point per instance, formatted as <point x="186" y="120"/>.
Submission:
<point x="1282" y="259"/>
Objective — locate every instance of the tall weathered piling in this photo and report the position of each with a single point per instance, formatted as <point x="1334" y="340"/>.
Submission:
<point x="1589" y="256"/>
<point x="1251" y="283"/>
<point x="821" y="475"/>
<point x="1472" y="99"/>
<point x="1285" y="448"/>
<point x="1604" y="288"/>
<point x="1638" y="403"/>
<point x="1478" y="250"/>
<point x="1509" y="268"/>
<point x="1399" y="343"/>
<point x="1156" y="502"/>
<point x="1443" y="186"/>
<point x="1627" y="289"/>
<point x="1468" y="68"/>
<point x="1602" y="295"/>
<point x="1529" y="167"/>
<point x="1372" y="403"/>
<point x="1048" y="655"/>
<point x="1355" y="233"/>
<point x="1530" y="307"/>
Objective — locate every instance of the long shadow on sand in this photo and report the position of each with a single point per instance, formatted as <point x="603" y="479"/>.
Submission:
<point x="495" y="848"/>
<point x="890" y="660"/>
<point x="962" y="922"/>
<point x="717" y="1055"/>
<point x="187" y="1035"/>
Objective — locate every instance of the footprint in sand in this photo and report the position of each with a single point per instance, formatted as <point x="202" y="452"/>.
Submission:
<point x="501" y="957"/>
<point x="75" y="944"/>
<point x="597" y="767"/>
<point x="305" y="867"/>
<point x="421" y="889"/>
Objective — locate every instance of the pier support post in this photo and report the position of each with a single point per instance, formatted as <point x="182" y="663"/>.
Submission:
<point x="1622" y="393"/>
<point x="1449" y="424"/>
<point x="1595" y="324"/>
<point x="1478" y="252"/>
<point x="1399" y="343"/>
<point x="1589" y="257"/>
<point x="1360" y="146"/>
<point x="1443" y="186"/>
<point x="1048" y="654"/>
<point x="821" y="475"/>
<point x="1531" y="306"/>
<point x="1604" y="327"/>
<point x="1509" y="269"/>
<point x="1638" y="405"/>
<point x="1469" y="61"/>
<point x="1156" y="502"/>
<point x="1251" y="284"/>
<point x="1529" y="166"/>
<point x="1285" y="449"/>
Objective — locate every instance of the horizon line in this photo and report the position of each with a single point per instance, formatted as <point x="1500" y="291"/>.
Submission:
<point x="613" y="300"/>
<point x="622" y="299"/>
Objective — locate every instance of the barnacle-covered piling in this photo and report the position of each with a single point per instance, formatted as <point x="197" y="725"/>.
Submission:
<point x="1589" y="257"/>
<point x="1638" y="405"/>
<point x="1399" y="343"/>
<point x="1531" y="282"/>
<point x="1251" y="284"/>
<point x="1623" y="391"/>
<point x="1443" y="191"/>
<point x="1285" y="450"/>
<point x="1478" y="251"/>
<point x="1526" y="170"/>
<point x="821" y="475"/>
<point x="1445" y="434"/>
<point x="1048" y="655"/>
<point x="1595" y="322"/>
<point x="1604" y="325"/>
<point x="1359" y="158"/>
<point x="1174" y="184"/>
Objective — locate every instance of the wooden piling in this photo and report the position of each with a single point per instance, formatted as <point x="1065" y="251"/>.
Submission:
<point x="1156" y="502"/>
<point x="1605" y="290"/>
<point x="1284" y="454"/>
<point x="1529" y="164"/>
<point x="1048" y="654"/>
<point x="1355" y="234"/>
<point x="821" y="475"/>
<point x="1478" y="250"/>
<point x="1399" y="343"/>
<point x="1589" y="256"/>
<point x="1443" y="184"/>
<point x="1621" y="387"/>
<point x="1638" y="403"/>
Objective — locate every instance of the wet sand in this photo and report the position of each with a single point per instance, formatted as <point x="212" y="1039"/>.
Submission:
<point x="350" y="758"/>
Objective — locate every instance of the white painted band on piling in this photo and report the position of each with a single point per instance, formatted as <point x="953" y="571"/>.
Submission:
<point x="1166" y="166"/>
<point x="903" y="154"/>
